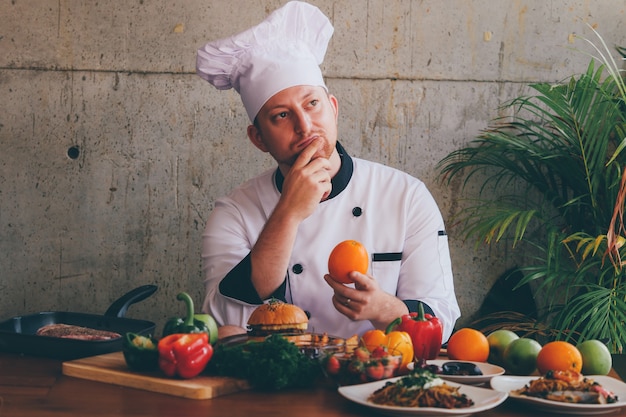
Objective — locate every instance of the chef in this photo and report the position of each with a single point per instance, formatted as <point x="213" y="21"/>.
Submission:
<point x="271" y="237"/>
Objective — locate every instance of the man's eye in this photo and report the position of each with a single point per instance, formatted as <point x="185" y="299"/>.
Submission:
<point x="281" y="115"/>
<point x="314" y="102"/>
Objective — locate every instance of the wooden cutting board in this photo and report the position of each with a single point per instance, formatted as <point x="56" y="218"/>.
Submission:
<point x="111" y="368"/>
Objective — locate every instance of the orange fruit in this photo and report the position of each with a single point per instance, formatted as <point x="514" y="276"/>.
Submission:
<point x="468" y="344"/>
<point x="346" y="257"/>
<point x="559" y="356"/>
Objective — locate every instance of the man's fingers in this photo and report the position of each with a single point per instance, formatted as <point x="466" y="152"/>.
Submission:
<point x="307" y="154"/>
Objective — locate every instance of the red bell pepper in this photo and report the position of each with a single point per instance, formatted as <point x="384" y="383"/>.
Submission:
<point x="426" y="333"/>
<point x="184" y="354"/>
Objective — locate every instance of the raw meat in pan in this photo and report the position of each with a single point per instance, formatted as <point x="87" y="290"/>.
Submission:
<point x="68" y="331"/>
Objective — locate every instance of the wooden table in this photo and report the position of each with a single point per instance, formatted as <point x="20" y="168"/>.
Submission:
<point x="36" y="387"/>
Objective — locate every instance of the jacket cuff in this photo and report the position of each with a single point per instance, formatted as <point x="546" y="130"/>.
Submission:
<point x="237" y="284"/>
<point x="413" y="306"/>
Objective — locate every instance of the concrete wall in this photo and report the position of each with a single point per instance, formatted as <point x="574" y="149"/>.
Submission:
<point x="112" y="150"/>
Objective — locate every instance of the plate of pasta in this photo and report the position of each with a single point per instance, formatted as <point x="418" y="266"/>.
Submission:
<point x="422" y="394"/>
<point x="582" y="395"/>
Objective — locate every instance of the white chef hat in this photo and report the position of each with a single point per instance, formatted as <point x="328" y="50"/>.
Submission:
<point x="284" y="50"/>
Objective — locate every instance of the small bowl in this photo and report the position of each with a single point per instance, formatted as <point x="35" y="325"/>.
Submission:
<point x="350" y="369"/>
<point x="316" y="345"/>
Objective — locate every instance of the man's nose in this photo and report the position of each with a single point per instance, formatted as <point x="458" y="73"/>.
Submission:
<point x="302" y="121"/>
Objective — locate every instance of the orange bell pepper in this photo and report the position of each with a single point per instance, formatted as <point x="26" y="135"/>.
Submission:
<point x="374" y="338"/>
<point x="395" y="342"/>
<point x="400" y="342"/>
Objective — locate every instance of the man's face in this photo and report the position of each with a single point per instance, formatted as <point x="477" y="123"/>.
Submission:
<point x="292" y="119"/>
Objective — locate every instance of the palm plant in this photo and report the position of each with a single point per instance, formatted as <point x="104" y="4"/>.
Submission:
<point x="552" y="182"/>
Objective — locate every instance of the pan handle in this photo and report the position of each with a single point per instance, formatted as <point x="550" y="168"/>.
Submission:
<point x="120" y="306"/>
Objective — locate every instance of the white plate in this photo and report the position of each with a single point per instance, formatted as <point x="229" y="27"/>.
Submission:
<point x="506" y="383"/>
<point x="484" y="399"/>
<point x="488" y="370"/>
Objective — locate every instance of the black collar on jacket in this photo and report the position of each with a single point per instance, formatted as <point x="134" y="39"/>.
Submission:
<point x="339" y="181"/>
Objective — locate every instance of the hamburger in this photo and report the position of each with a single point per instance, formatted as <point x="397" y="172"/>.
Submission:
<point x="277" y="317"/>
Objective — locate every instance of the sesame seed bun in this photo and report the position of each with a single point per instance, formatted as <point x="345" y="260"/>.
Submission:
<point x="277" y="317"/>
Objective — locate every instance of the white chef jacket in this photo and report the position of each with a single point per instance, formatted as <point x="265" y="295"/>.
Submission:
<point x="390" y="212"/>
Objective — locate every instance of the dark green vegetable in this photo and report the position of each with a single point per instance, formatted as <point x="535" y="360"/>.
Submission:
<point x="272" y="364"/>
<point x="140" y="352"/>
<point x="192" y="323"/>
<point x="416" y="378"/>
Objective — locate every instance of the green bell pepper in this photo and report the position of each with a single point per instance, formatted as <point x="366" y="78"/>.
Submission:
<point x="193" y="323"/>
<point x="140" y="352"/>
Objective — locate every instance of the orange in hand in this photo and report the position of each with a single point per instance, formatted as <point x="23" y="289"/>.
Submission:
<point x="346" y="257"/>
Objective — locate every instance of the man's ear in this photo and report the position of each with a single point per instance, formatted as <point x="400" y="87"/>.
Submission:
<point x="334" y="102"/>
<point x="255" y="137"/>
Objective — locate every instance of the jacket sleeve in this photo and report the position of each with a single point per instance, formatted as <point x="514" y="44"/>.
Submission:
<point x="426" y="271"/>
<point x="226" y="244"/>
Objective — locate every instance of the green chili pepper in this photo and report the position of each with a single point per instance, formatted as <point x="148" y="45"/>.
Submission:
<point x="193" y="323"/>
<point x="140" y="352"/>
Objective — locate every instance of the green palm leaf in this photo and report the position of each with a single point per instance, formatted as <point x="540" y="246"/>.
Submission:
<point x="596" y="313"/>
<point x="550" y="182"/>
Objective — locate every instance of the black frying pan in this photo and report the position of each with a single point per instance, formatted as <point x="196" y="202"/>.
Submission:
<point x="18" y="334"/>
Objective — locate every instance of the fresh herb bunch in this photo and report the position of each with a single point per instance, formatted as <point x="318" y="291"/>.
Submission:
<point x="272" y="364"/>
